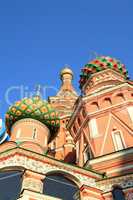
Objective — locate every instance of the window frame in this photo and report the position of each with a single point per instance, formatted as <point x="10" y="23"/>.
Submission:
<point x="115" y="142"/>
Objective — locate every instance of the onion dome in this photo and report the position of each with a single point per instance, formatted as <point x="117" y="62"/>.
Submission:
<point x="66" y="70"/>
<point x="99" y="64"/>
<point x="34" y="108"/>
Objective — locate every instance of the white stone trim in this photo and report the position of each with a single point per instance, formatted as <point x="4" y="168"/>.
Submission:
<point x="18" y="133"/>
<point x="130" y="112"/>
<point x="107" y="91"/>
<point x="121" y="169"/>
<point x="114" y="106"/>
<point x="112" y="156"/>
<point x="41" y="167"/>
<point x="93" y="128"/>
<point x="123" y="181"/>
<point x="30" y="194"/>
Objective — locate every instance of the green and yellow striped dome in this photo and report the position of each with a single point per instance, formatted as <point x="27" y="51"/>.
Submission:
<point x="34" y="108"/>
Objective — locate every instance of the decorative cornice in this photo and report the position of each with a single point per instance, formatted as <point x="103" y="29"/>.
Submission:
<point x="111" y="156"/>
<point x="82" y="99"/>
<point x="112" y="89"/>
<point x="125" y="181"/>
<point x="121" y="77"/>
<point x="26" y="159"/>
<point x="115" y="106"/>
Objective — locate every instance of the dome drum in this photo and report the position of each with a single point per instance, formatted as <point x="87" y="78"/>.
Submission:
<point x="99" y="64"/>
<point x="32" y="131"/>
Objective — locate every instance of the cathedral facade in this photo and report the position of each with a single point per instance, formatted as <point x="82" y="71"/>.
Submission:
<point x="86" y="139"/>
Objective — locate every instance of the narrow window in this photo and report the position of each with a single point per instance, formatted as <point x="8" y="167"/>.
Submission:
<point x="107" y="102"/>
<point x="79" y="121"/>
<point x="118" y="141"/>
<point x="130" y="111"/>
<point x="119" y="98"/>
<point x="93" y="128"/>
<point x="34" y="133"/>
<point x="18" y="133"/>
<point x="74" y="129"/>
<point x="83" y="113"/>
<point x="77" y="151"/>
<point x="86" y="154"/>
<point x="94" y="106"/>
<point x="53" y="145"/>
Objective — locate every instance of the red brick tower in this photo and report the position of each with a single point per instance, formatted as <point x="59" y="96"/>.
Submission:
<point x="102" y="122"/>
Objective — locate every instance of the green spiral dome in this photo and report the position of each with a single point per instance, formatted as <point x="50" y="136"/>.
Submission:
<point x="34" y="108"/>
<point x="99" y="64"/>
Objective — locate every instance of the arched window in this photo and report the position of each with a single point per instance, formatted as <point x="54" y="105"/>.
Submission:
<point x="119" y="98"/>
<point x="94" y="106"/>
<point x="57" y="185"/>
<point x="118" y="193"/>
<point x="10" y="185"/>
<point x="106" y="102"/>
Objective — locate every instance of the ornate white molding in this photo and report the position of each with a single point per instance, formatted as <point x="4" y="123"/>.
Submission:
<point x="22" y="161"/>
<point x="123" y="181"/>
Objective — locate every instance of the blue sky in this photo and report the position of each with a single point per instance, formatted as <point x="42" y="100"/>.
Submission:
<point x="37" y="37"/>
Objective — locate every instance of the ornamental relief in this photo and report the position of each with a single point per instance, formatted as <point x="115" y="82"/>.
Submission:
<point x="123" y="182"/>
<point x="44" y="168"/>
<point x="35" y="185"/>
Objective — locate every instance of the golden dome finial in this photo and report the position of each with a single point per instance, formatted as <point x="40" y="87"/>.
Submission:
<point x="66" y="70"/>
